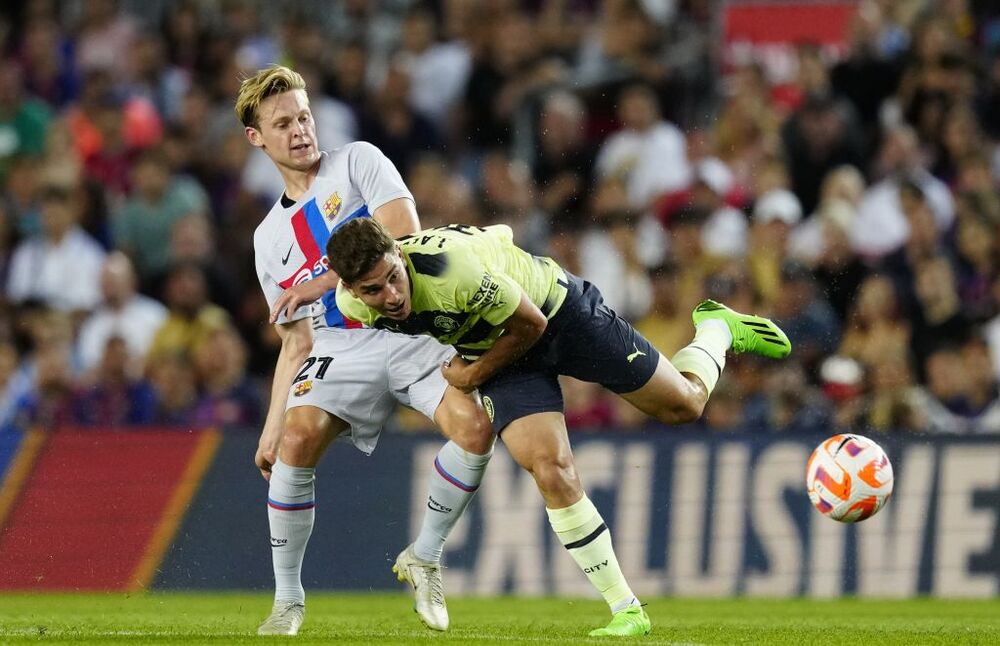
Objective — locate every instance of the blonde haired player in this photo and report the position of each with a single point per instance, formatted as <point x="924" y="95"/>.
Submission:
<point x="333" y="376"/>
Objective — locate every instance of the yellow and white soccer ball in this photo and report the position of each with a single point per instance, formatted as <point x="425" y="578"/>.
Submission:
<point x="849" y="478"/>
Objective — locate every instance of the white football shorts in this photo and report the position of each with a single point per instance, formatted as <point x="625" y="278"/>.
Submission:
<point x="359" y="375"/>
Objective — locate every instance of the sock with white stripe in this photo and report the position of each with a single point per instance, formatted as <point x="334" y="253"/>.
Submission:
<point x="453" y="484"/>
<point x="291" y="512"/>
<point x="705" y="356"/>
<point x="582" y="531"/>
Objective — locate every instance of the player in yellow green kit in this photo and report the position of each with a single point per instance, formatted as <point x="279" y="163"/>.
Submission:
<point x="519" y="321"/>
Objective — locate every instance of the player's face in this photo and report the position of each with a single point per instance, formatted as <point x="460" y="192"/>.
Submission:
<point x="386" y="288"/>
<point x="286" y="130"/>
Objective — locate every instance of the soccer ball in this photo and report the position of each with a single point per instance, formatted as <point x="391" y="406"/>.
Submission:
<point x="849" y="478"/>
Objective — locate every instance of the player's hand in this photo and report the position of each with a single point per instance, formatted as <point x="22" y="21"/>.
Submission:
<point x="265" y="460"/>
<point x="458" y="373"/>
<point x="296" y="296"/>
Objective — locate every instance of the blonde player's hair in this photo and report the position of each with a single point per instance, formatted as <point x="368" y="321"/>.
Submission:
<point x="269" y="81"/>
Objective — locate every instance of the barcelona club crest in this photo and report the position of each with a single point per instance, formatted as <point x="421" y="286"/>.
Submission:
<point x="303" y="387"/>
<point x="331" y="208"/>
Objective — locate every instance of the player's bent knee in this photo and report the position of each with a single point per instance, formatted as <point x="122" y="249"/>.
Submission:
<point x="476" y="435"/>
<point x="689" y="410"/>
<point x="556" y="479"/>
<point x="301" y="444"/>
<point x="465" y="423"/>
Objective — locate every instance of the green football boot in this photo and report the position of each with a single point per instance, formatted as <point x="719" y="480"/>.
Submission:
<point x="630" y="622"/>
<point x="750" y="333"/>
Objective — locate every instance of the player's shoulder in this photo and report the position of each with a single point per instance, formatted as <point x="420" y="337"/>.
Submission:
<point x="355" y="150"/>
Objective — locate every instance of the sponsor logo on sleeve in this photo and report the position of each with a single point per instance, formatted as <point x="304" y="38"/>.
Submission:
<point x="487" y="294"/>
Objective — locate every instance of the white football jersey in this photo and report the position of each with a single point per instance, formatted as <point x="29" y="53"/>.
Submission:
<point x="290" y="243"/>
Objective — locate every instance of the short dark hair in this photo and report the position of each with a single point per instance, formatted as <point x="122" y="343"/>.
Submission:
<point x="356" y="247"/>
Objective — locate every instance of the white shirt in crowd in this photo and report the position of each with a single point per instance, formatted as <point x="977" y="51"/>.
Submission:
<point x="136" y="323"/>
<point x="653" y="162"/>
<point x="65" y="275"/>
<point x="881" y="226"/>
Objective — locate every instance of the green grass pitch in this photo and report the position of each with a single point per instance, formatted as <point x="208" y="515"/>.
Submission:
<point x="161" y="618"/>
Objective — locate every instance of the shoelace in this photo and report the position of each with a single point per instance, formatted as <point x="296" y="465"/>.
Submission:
<point x="284" y="615"/>
<point x="432" y="575"/>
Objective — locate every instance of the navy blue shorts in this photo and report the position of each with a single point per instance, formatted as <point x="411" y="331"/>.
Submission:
<point x="585" y="340"/>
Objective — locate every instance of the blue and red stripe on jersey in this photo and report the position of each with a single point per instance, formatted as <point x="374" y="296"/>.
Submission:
<point x="311" y="234"/>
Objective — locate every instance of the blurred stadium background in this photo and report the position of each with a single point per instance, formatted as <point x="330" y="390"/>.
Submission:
<point x="833" y="164"/>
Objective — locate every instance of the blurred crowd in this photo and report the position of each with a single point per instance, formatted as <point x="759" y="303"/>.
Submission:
<point x="854" y="199"/>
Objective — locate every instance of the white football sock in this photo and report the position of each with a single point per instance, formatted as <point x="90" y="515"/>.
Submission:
<point x="582" y="531"/>
<point x="705" y="356"/>
<point x="453" y="484"/>
<point x="291" y="512"/>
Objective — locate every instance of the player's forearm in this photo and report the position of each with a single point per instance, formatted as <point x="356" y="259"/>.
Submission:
<point x="510" y="347"/>
<point x="293" y="352"/>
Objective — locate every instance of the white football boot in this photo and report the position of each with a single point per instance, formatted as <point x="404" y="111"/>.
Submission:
<point x="428" y="588"/>
<point x="285" y="619"/>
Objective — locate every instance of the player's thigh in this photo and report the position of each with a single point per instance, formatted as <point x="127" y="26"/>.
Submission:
<point x="308" y="430"/>
<point x="668" y="394"/>
<point x="538" y="439"/>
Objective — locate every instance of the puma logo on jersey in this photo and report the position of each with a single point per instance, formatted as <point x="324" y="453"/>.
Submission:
<point x="638" y="353"/>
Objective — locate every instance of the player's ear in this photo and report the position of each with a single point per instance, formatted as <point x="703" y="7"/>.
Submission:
<point x="254" y="136"/>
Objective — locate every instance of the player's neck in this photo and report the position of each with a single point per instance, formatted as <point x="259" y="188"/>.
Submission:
<point x="298" y="182"/>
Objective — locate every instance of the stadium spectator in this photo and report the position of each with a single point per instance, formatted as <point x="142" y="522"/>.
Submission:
<point x="114" y="395"/>
<point x="819" y="136"/>
<point x="806" y="316"/>
<point x="153" y="78"/>
<point x="609" y="255"/>
<point x="507" y="194"/>
<point x="62" y="265"/>
<point x="875" y="325"/>
<point x="787" y="403"/>
<point x="649" y="153"/>
<point x="48" y="402"/>
<point x="438" y="69"/>
<point x="775" y="214"/>
<point x="15" y="383"/>
<point x="507" y="71"/>
<point x="48" y="62"/>
<point x="174" y="381"/>
<point x="725" y="233"/>
<point x="563" y="169"/>
<point x="229" y="398"/>
<point x="23" y="120"/>
<point x="391" y="124"/>
<point x="938" y="318"/>
<point x="665" y="324"/>
<point x="123" y="314"/>
<point x="881" y="226"/>
<point x="191" y="317"/>
<point x="143" y="224"/>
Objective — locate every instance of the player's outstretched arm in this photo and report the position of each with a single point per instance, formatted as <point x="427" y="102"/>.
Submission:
<point x="522" y="329"/>
<point x="296" y="343"/>
<point x="302" y="294"/>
